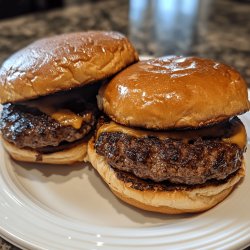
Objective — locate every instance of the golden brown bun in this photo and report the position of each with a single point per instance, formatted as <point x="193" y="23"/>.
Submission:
<point x="68" y="156"/>
<point x="63" y="62"/>
<point x="169" y="202"/>
<point x="174" y="92"/>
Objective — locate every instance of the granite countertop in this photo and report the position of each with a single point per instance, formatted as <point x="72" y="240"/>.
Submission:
<point x="215" y="29"/>
<point x="208" y="28"/>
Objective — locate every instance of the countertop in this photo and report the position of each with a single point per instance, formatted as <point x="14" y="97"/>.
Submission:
<point x="208" y="28"/>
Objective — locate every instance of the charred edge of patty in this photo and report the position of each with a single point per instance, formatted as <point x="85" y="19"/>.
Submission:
<point x="149" y="185"/>
<point x="177" y="161"/>
<point x="28" y="127"/>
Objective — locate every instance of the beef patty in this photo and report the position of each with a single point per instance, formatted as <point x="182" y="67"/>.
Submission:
<point x="27" y="127"/>
<point x="177" y="161"/>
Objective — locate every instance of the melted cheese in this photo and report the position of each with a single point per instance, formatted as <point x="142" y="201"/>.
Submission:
<point x="239" y="135"/>
<point x="237" y="132"/>
<point x="64" y="116"/>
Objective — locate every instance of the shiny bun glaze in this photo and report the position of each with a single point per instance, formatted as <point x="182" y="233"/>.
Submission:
<point x="63" y="62"/>
<point x="174" y="92"/>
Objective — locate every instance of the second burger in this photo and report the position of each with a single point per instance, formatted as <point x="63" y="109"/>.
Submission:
<point x="48" y="93"/>
<point x="173" y="144"/>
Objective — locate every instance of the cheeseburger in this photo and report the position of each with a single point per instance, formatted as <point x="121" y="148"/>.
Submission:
<point x="173" y="143"/>
<point x="48" y="93"/>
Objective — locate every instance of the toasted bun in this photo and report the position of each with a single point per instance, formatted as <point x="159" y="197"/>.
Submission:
<point x="174" y="92"/>
<point x="168" y="202"/>
<point x="63" y="62"/>
<point x="68" y="156"/>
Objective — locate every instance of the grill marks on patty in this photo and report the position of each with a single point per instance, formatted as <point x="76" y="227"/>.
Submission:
<point x="27" y="127"/>
<point x="193" y="162"/>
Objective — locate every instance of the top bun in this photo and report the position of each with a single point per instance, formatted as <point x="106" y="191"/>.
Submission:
<point x="174" y="92"/>
<point x="63" y="62"/>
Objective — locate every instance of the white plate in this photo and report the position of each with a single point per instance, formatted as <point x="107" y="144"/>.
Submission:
<point x="69" y="207"/>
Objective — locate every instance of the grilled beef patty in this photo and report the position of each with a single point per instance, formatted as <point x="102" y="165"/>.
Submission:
<point x="27" y="127"/>
<point x="176" y="161"/>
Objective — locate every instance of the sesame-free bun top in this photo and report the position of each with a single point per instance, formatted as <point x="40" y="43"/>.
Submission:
<point x="63" y="62"/>
<point x="174" y="92"/>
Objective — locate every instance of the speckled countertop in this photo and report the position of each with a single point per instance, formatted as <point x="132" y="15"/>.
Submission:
<point x="216" y="29"/>
<point x="208" y="28"/>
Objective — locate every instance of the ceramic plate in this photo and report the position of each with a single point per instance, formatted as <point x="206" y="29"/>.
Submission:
<point x="70" y="207"/>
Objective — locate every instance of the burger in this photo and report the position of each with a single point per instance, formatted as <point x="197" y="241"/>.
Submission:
<point x="171" y="141"/>
<point x="48" y="94"/>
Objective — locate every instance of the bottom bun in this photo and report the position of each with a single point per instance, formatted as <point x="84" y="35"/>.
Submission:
<point x="190" y="200"/>
<point x="68" y="156"/>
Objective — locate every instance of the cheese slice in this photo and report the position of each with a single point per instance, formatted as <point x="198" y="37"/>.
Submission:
<point x="64" y="116"/>
<point x="236" y="135"/>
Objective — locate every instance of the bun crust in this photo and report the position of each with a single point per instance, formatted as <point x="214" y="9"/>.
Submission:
<point x="68" y="156"/>
<point x="174" y="92"/>
<point x="63" y="62"/>
<point x="168" y="202"/>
